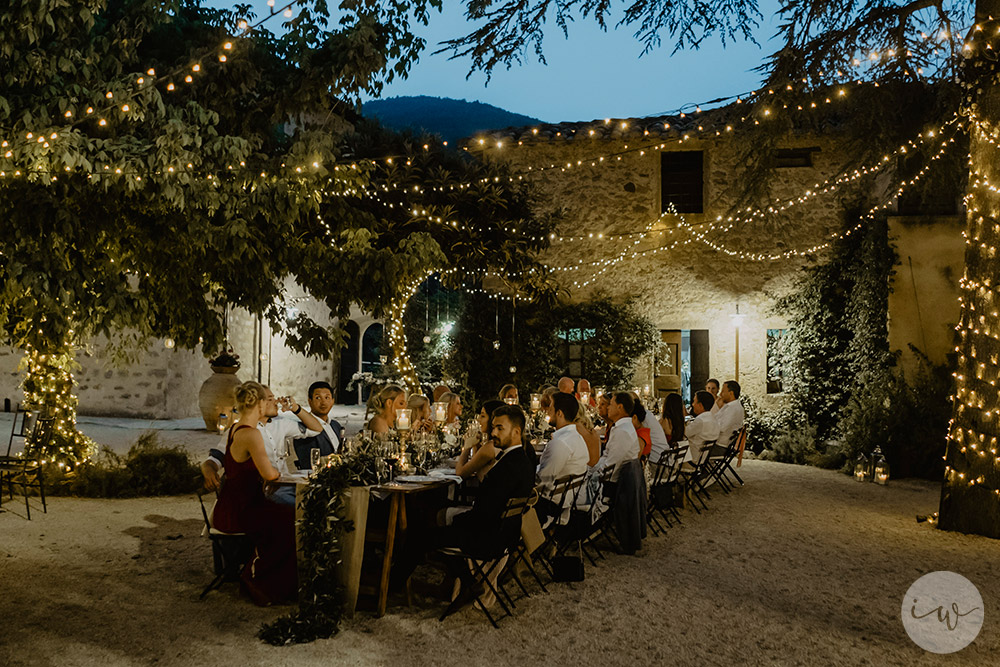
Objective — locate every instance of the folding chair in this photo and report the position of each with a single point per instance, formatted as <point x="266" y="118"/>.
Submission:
<point x="694" y="479"/>
<point x="230" y="551"/>
<point x="604" y="526"/>
<point x="578" y="527"/>
<point x="666" y="471"/>
<point x="482" y="563"/>
<point x="19" y="468"/>
<point x="532" y="539"/>
<point x="736" y="447"/>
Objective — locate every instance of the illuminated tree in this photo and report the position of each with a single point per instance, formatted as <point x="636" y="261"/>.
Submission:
<point x="161" y="160"/>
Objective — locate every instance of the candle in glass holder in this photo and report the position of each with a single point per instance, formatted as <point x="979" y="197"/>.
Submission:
<point x="440" y="412"/>
<point x="585" y="397"/>
<point x="645" y="390"/>
<point x="536" y="402"/>
<point x="510" y="400"/>
<point x="403" y="419"/>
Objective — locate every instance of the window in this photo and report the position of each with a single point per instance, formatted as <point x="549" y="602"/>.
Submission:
<point x="775" y="360"/>
<point x="785" y="158"/>
<point x="682" y="181"/>
<point x="574" y="350"/>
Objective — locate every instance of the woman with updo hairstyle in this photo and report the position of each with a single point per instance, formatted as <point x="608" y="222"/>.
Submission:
<point x="390" y="399"/>
<point x="420" y="414"/>
<point x="270" y="576"/>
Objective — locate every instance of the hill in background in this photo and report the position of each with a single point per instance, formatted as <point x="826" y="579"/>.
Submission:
<point x="451" y="119"/>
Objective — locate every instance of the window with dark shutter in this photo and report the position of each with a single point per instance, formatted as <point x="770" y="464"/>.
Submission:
<point x="682" y="181"/>
<point x="785" y="158"/>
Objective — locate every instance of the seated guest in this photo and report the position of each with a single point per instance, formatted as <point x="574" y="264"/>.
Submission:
<point x="420" y="414"/>
<point x="546" y="402"/>
<point x="672" y="422"/>
<point x="603" y="403"/>
<point x="481" y="529"/>
<point x="440" y="391"/>
<point x="585" y="427"/>
<point x="478" y="454"/>
<point x="712" y="387"/>
<point x="566" y="385"/>
<point x="509" y="391"/>
<point x="583" y="386"/>
<point x="623" y="443"/>
<point x="270" y="576"/>
<point x="565" y="454"/>
<point x="454" y="407"/>
<point x="275" y="432"/>
<point x="703" y="428"/>
<point x="642" y="432"/>
<point x="657" y="438"/>
<point x="731" y="415"/>
<point x="390" y="399"/>
<point x="328" y="440"/>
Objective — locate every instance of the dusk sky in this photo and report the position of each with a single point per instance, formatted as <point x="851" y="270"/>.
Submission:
<point x="591" y="75"/>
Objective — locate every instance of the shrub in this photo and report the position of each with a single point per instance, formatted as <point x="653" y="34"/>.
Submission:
<point x="150" y="468"/>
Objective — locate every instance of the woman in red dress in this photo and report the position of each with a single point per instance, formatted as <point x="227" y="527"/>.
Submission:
<point x="270" y="576"/>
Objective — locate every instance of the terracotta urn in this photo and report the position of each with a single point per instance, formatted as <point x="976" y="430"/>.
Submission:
<point x="217" y="395"/>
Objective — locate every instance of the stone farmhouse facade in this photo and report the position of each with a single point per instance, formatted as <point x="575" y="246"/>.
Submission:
<point x="620" y="177"/>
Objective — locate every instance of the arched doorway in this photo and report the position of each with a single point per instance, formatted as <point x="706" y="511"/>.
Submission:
<point x="349" y="365"/>
<point x="371" y="349"/>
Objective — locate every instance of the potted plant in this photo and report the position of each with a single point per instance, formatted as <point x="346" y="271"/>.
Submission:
<point x="216" y="399"/>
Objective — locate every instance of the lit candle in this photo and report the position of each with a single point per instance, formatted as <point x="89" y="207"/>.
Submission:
<point x="585" y="397"/>
<point x="536" y="402"/>
<point x="403" y="419"/>
<point x="510" y="400"/>
<point x="440" y="411"/>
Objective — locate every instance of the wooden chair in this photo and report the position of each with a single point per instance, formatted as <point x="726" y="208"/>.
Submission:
<point x="230" y="551"/>
<point x="20" y="468"/>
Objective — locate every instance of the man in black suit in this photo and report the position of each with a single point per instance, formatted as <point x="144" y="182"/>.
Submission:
<point x="482" y="529"/>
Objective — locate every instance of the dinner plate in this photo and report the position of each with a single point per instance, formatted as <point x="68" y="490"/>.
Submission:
<point x="417" y="478"/>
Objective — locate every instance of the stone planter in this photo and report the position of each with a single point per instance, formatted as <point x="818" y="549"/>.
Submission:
<point x="217" y="395"/>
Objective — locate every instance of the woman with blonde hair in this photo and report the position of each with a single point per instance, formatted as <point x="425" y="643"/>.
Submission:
<point x="270" y="576"/>
<point x="420" y="413"/>
<point x="390" y="399"/>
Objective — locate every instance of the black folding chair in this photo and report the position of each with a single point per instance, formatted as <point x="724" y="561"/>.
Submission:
<point x="662" y="492"/>
<point x="529" y="545"/>
<point x="19" y="468"/>
<point x="482" y="563"/>
<point x="604" y="526"/>
<point x="695" y="476"/>
<point x="736" y="445"/>
<point x="578" y="527"/>
<point x="230" y="551"/>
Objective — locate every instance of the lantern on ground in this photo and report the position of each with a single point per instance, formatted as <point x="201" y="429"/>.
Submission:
<point x="881" y="471"/>
<point x="861" y="468"/>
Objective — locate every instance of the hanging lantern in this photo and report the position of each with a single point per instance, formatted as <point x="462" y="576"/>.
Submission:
<point x="861" y="468"/>
<point x="881" y="471"/>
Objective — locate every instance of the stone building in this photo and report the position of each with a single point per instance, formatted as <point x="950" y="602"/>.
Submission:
<point x="645" y="206"/>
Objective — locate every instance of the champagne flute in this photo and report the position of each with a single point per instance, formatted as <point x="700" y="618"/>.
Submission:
<point x="314" y="457"/>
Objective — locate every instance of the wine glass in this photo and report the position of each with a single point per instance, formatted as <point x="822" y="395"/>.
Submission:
<point x="284" y="451"/>
<point x="314" y="457"/>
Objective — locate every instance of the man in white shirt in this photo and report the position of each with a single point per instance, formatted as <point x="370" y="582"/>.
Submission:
<point x="566" y="454"/>
<point x="328" y="441"/>
<point x="731" y="415"/>
<point x="274" y="432"/>
<point x="704" y="427"/>
<point x="623" y="443"/>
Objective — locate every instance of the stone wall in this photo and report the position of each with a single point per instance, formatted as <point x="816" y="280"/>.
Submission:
<point x="164" y="383"/>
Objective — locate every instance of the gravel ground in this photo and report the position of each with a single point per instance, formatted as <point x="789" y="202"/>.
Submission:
<point x="800" y="567"/>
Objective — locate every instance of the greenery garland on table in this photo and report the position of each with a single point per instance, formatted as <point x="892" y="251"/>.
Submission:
<point x="321" y="534"/>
